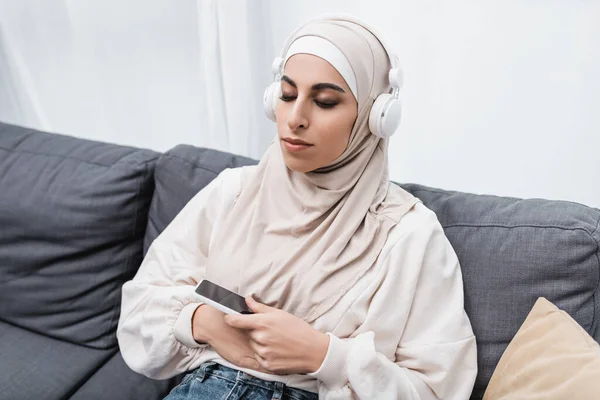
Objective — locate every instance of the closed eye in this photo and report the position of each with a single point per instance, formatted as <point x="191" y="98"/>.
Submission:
<point x="318" y="103"/>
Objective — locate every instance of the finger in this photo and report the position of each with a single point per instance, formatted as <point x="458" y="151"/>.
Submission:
<point x="243" y="321"/>
<point x="256" y="348"/>
<point x="259" y="336"/>
<point x="264" y="364"/>
<point x="258" y="307"/>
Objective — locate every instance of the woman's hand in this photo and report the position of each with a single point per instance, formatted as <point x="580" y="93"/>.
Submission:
<point x="232" y="344"/>
<point x="283" y="343"/>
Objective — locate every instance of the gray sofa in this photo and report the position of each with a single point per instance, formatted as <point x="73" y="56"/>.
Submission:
<point x="77" y="216"/>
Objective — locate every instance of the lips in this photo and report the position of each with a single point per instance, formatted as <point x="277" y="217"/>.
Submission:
<point x="296" y="141"/>
<point x="295" y="145"/>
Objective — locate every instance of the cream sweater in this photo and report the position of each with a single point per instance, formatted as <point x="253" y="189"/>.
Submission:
<point x="400" y="333"/>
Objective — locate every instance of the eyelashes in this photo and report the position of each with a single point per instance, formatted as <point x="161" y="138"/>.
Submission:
<point x="318" y="103"/>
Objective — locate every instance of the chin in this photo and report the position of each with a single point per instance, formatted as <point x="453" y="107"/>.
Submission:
<point x="296" y="166"/>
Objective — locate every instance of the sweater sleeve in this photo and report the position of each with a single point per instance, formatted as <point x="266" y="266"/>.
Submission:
<point x="416" y="341"/>
<point x="155" y="326"/>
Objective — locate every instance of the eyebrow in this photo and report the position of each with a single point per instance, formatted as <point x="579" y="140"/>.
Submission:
<point x="316" y="86"/>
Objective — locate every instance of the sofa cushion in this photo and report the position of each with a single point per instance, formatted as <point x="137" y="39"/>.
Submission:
<point x="513" y="251"/>
<point x="180" y="173"/>
<point x="73" y="215"/>
<point x="34" y="366"/>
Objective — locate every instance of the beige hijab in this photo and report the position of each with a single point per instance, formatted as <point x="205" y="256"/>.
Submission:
<point x="300" y="241"/>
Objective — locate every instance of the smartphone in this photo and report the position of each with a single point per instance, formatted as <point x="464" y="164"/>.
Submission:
<point x="222" y="299"/>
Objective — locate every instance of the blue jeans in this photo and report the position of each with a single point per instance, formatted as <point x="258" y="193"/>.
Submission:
<point x="212" y="381"/>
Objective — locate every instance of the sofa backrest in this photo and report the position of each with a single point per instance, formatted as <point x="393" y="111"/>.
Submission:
<point x="511" y="251"/>
<point x="181" y="173"/>
<point x="73" y="215"/>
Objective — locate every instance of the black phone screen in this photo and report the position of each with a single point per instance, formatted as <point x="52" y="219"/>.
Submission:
<point x="223" y="296"/>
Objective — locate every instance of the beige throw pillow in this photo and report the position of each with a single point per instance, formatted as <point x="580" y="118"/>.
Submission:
<point x="551" y="357"/>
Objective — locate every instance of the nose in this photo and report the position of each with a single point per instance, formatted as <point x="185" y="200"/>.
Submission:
<point x="297" y="116"/>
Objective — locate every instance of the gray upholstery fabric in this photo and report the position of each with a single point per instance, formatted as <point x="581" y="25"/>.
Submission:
<point x="73" y="216"/>
<point x="115" y="381"/>
<point x="180" y="173"/>
<point x="34" y="366"/>
<point x="511" y="251"/>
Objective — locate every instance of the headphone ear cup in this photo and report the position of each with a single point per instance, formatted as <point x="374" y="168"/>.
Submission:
<point x="276" y="96"/>
<point x="270" y="99"/>
<point x="385" y="115"/>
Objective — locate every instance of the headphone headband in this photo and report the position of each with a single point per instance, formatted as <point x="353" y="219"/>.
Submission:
<point x="395" y="80"/>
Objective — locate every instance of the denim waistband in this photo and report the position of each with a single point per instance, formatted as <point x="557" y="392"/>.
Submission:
<point x="233" y="375"/>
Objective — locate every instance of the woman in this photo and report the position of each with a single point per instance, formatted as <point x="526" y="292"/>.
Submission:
<point x="357" y="292"/>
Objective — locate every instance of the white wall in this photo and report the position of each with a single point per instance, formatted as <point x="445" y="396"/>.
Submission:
<point x="500" y="97"/>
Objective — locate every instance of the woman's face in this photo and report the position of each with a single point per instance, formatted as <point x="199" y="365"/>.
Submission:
<point x="316" y="108"/>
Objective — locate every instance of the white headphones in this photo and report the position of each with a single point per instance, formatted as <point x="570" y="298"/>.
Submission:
<point x="386" y="112"/>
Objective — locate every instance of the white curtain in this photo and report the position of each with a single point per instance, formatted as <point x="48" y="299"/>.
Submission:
<point x="148" y="73"/>
<point x="18" y="96"/>
<point x="235" y="52"/>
